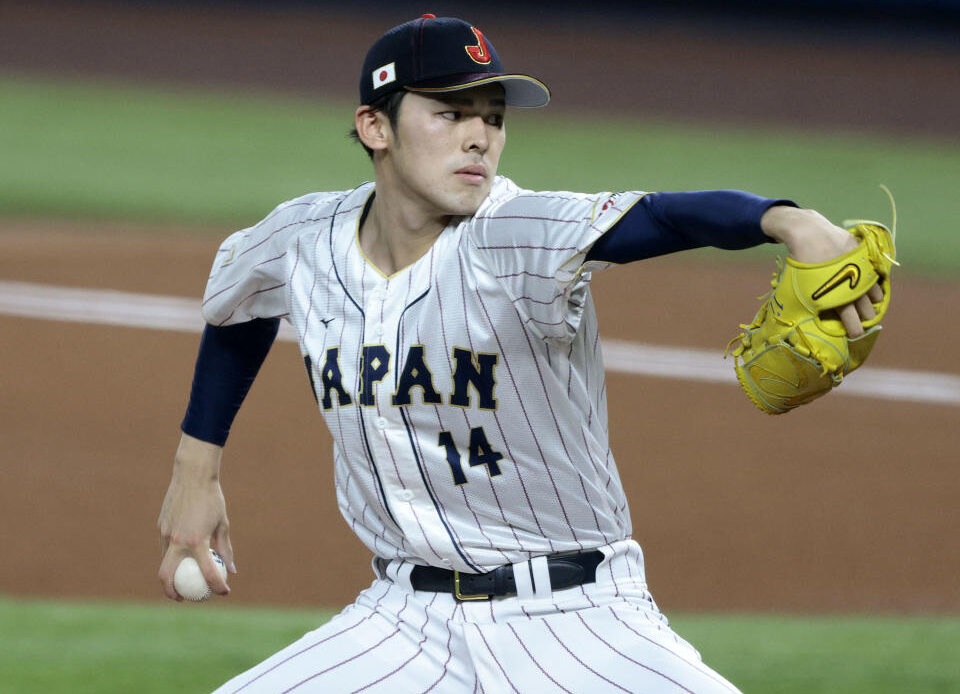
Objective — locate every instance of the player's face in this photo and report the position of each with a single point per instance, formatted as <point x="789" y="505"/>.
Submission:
<point x="446" y="149"/>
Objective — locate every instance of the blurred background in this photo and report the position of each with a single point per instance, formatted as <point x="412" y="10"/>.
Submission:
<point x="134" y="136"/>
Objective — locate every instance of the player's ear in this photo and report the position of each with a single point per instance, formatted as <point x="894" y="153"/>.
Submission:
<point x="373" y="127"/>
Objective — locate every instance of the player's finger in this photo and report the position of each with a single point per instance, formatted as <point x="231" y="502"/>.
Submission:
<point x="223" y="547"/>
<point x="875" y="293"/>
<point x="851" y="320"/>
<point x="167" y="568"/>
<point x="865" y="308"/>
<point x="208" y="567"/>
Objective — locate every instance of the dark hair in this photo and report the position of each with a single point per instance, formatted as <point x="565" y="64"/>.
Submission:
<point x="388" y="105"/>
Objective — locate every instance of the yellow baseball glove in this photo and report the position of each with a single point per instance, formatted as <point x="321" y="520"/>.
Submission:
<point x="796" y="349"/>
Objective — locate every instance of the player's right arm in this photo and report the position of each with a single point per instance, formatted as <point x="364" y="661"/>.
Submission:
<point x="243" y="303"/>
<point x="193" y="516"/>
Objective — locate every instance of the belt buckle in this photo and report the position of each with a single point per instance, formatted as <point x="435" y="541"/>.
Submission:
<point x="460" y="596"/>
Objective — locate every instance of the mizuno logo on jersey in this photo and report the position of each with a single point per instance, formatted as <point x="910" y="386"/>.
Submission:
<point x="473" y="379"/>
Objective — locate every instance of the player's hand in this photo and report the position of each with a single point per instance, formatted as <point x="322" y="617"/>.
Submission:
<point x="812" y="238"/>
<point x="193" y="516"/>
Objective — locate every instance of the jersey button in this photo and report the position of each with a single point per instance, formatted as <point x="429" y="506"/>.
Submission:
<point x="406" y="494"/>
<point x="381" y="422"/>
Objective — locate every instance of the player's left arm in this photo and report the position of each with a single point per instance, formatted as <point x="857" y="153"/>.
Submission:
<point x="662" y="223"/>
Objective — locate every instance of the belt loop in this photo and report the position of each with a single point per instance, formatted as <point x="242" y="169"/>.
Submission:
<point x="403" y="575"/>
<point x="399" y="572"/>
<point x="378" y="564"/>
<point x="523" y="579"/>
<point x="542" y="587"/>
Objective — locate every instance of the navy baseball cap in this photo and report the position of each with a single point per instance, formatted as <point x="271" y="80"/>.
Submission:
<point x="441" y="54"/>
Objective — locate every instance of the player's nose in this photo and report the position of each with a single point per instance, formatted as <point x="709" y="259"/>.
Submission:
<point x="475" y="135"/>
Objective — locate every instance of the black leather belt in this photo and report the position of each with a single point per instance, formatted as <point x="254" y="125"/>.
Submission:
<point x="566" y="571"/>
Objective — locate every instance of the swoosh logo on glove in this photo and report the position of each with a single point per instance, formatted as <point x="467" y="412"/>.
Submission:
<point x="848" y="273"/>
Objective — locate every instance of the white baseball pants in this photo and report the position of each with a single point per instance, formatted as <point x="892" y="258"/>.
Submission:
<point x="607" y="636"/>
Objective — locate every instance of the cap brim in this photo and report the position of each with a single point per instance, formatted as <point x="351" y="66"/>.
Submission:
<point x="520" y="91"/>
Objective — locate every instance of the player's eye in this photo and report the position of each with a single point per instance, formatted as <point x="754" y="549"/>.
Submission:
<point x="451" y="115"/>
<point x="495" y="119"/>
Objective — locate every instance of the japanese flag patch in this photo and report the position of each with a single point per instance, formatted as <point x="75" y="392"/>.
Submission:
<point x="384" y="75"/>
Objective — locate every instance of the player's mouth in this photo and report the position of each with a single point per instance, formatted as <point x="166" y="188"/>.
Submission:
<point x="475" y="174"/>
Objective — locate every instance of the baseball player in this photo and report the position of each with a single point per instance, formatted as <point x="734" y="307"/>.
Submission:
<point x="446" y="325"/>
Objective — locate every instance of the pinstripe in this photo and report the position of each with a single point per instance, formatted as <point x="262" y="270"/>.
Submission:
<point x="446" y="662"/>
<point x="632" y="660"/>
<point x="312" y="646"/>
<point x="224" y="290"/>
<point x="287" y="206"/>
<point x="277" y="230"/>
<point x="529" y="247"/>
<point x="344" y="662"/>
<point x="534" y="661"/>
<point x="354" y="657"/>
<point x="582" y="663"/>
<point x="544" y="323"/>
<point x="702" y="670"/>
<point x="250" y="296"/>
<point x="602" y="499"/>
<point x="523" y="273"/>
<point x="496" y="661"/>
<point x="419" y="651"/>
<point x="545" y="302"/>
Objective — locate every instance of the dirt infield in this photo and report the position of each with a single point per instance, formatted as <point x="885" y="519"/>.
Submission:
<point x="855" y="511"/>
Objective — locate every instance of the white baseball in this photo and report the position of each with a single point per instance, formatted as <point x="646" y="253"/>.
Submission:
<point x="189" y="581"/>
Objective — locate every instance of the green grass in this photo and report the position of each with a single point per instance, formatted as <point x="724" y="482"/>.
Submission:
<point x="104" y="648"/>
<point x="821" y="655"/>
<point x="101" y="150"/>
<point x="56" y="647"/>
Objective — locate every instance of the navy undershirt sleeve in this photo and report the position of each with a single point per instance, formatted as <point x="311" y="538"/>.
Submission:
<point x="662" y="223"/>
<point x="227" y="363"/>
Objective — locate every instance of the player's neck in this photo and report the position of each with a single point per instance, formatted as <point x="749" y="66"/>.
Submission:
<point x="394" y="236"/>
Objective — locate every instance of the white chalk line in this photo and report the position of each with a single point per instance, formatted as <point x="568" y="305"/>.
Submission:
<point x="155" y="312"/>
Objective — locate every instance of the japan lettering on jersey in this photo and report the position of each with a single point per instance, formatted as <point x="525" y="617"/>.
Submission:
<point x="465" y="393"/>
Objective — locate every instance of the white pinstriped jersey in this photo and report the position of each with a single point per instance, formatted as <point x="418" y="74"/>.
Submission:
<point x="465" y="393"/>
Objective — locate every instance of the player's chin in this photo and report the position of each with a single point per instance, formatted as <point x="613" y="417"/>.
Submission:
<point x="468" y="201"/>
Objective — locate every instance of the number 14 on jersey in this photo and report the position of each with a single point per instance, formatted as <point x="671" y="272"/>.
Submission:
<point x="479" y="452"/>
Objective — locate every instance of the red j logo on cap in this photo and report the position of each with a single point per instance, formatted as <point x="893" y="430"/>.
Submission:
<point x="479" y="53"/>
